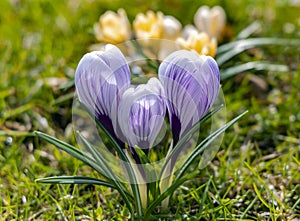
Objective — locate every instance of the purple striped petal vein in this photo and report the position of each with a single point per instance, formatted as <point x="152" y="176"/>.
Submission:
<point x="100" y="78"/>
<point x="141" y="114"/>
<point x="191" y="83"/>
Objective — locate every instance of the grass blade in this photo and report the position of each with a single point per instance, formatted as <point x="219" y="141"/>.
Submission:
<point x="262" y="181"/>
<point x="255" y="65"/>
<point x="249" y="207"/>
<point x="261" y="198"/>
<point x="204" y="195"/>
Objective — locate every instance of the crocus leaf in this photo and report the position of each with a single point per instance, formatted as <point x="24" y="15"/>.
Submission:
<point x="74" y="180"/>
<point x="143" y="157"/>
<point x="254" y="65"/>
<point x="107" y="171"/>
<point x="73" y="151"/>
<point x="196" y="152"/>
<point x="98" y="158"/>
<point x="249" y="30"/>
<point x="129" y="169"/>
<point x="186" y="136"/>
<point x="253" y="42"/>
<point x="167" y="193"/>
<point x="78" y="154"/>
<point x="203" y="145"/>
<point x="229" y="50"/>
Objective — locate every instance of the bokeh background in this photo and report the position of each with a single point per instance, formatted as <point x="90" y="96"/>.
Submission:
<point x="41" y="43"/>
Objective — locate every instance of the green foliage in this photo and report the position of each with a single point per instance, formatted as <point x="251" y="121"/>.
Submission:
<point x="255" y="176"/>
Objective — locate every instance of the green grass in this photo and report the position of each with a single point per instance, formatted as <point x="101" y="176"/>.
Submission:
<point x="255" y="175"/>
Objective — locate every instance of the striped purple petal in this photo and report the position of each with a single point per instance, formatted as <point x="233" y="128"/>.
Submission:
<point x="191" y="83"/>
<point x="141" y="114"/>
<point x="100" y="78"/>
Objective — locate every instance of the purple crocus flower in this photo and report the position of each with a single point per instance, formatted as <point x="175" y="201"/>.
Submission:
<point x="191" y="83"/>
<point x="188" y="87"/>
<point x="141" y="114"/>
<point x="100" y="79"/>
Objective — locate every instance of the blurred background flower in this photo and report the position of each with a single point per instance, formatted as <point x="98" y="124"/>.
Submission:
<point x="171" y="31"/>
<point x="171" y="28"/>
<point x="211" y="21"/>
<point x="199" y="42"/>
<point x="149" y="25"/>
<point x="113" y="27"/>
<point x="202" y="38"/>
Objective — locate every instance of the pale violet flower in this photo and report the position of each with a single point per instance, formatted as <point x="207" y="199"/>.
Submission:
<point x="211" y="21"/>
<point x="191" y="83"/>
<point x="100" y="79"/>
<point x="141" y="114"/>
<point x="188" y="86"/>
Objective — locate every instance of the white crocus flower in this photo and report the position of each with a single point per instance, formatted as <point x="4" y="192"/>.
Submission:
<point x="211" y="21"/>
<point x="188" y="30"/>
<point x="171" y="31"/>
<point x="171" y="28"/>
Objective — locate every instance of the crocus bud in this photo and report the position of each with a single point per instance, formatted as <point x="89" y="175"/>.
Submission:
<point x="113" y="27"/>
<point x="100" y="79"/>
<point x="210" y="21"/>
<point x="141" y="114"/>
<point x="191" y="83"/>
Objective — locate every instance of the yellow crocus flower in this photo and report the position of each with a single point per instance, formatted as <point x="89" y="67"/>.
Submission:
<point x="113" y="27"/>
<point x="199" y="42"/>
<point x="149" y="25"/>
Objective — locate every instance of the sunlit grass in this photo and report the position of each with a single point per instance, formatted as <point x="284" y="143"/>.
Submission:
<point x="255" y="175"/>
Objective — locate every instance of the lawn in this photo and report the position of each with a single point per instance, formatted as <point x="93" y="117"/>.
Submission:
<point x="254" y="176"/>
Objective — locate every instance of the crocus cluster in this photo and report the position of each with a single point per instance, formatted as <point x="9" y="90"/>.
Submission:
<point x="186" y="88"/>
<point x="115" y="28"/>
